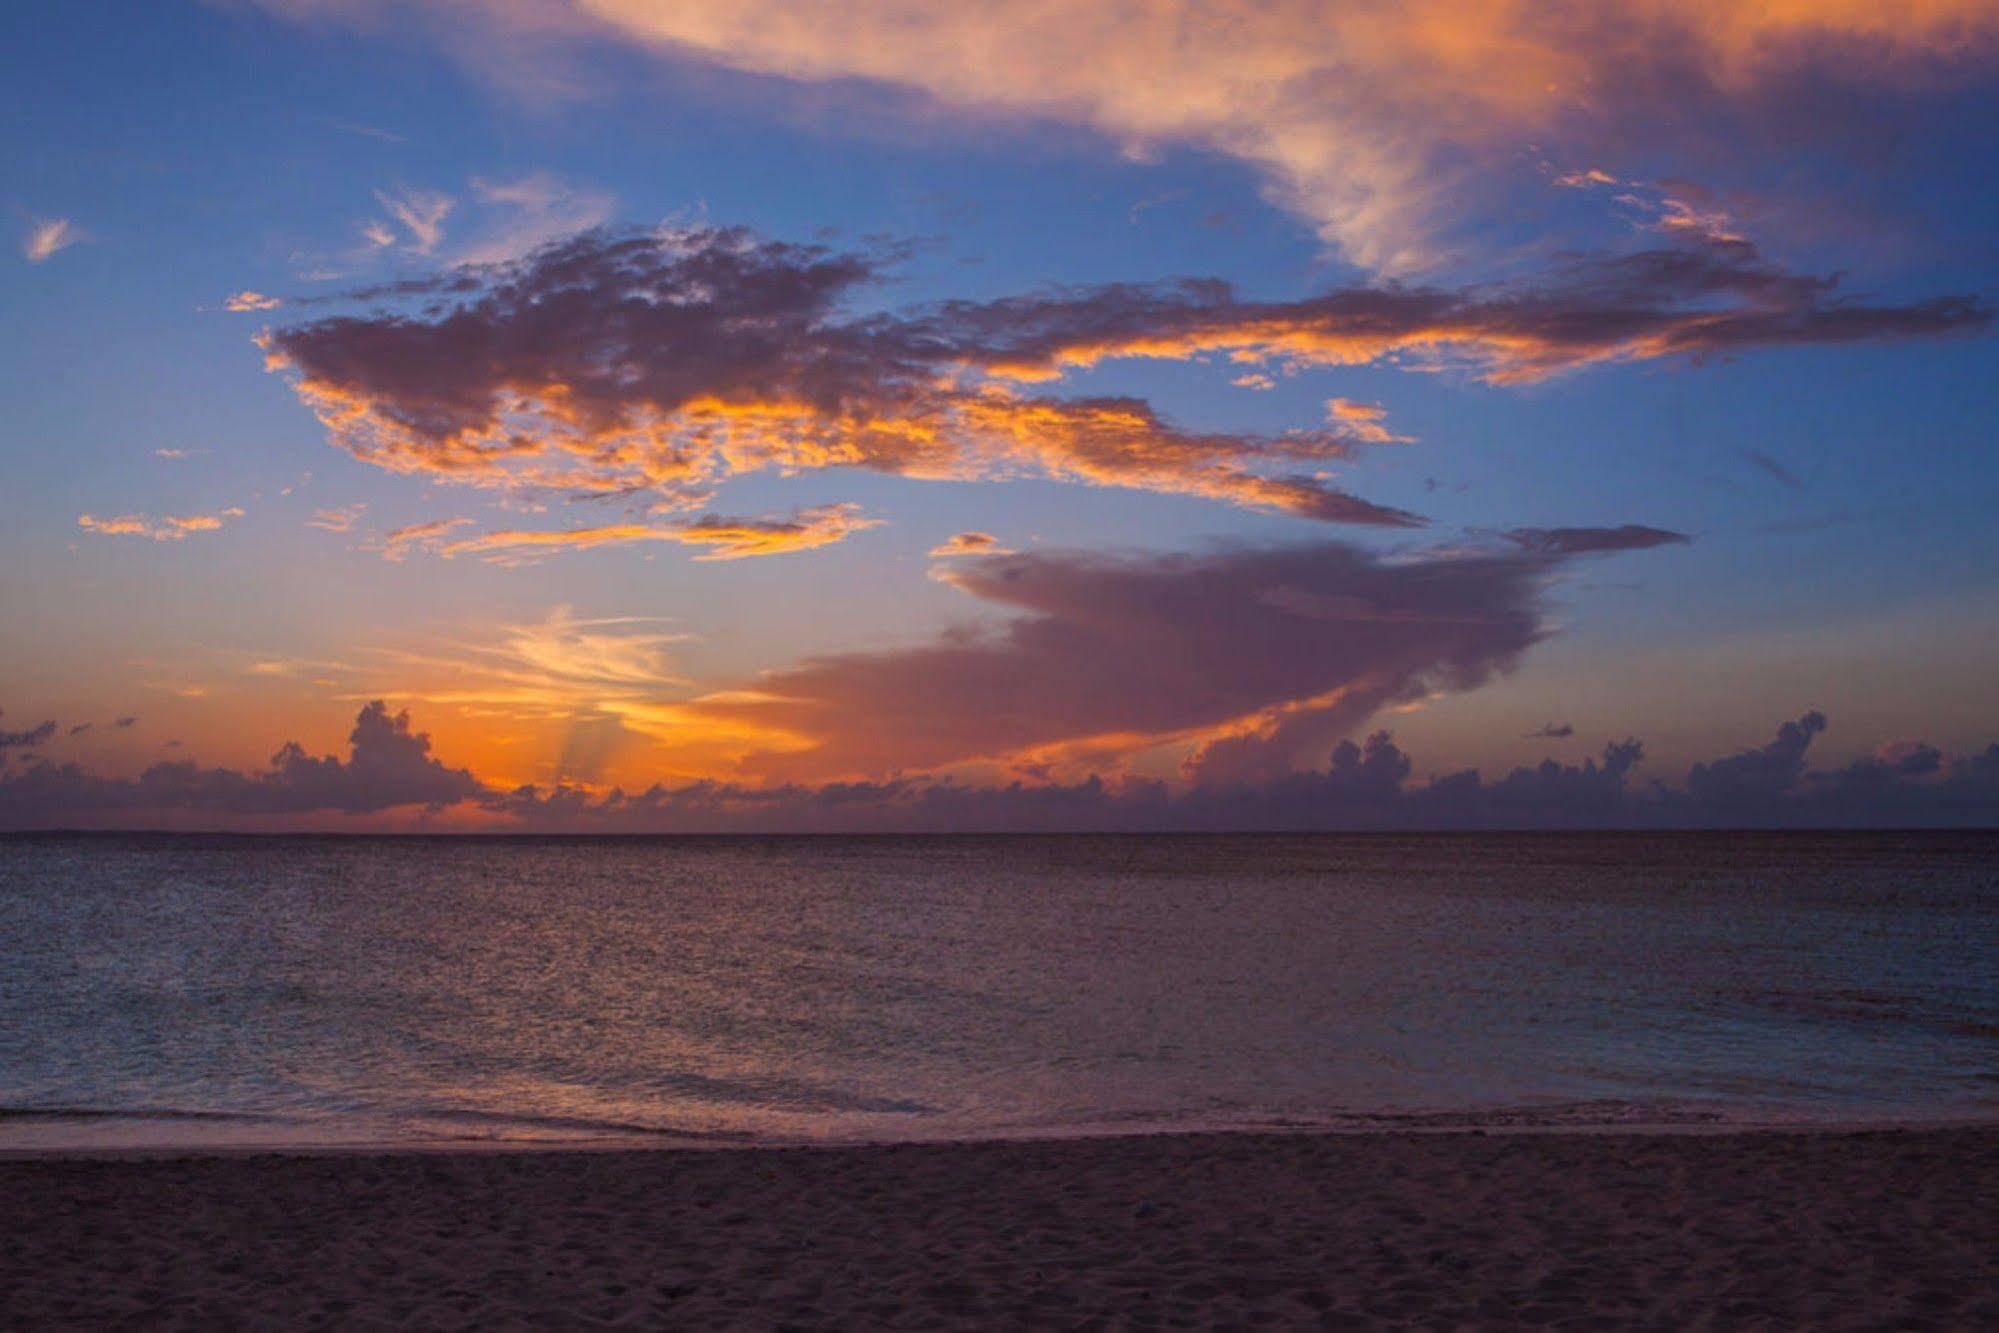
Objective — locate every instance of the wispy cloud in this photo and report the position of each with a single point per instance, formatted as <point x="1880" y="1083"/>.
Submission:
<point x="421" y="214"/>
<point x="1381" y="124"/>
<point x="48" y="238"/>
<point x="970" y="543"/>
<point x="720" y="538"/>
<point x="248" y="302"/>
<point x="340" y="519"/>
<point x="165" y="528"/>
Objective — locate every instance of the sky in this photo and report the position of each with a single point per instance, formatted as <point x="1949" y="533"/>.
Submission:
<point x="637" y="415"/>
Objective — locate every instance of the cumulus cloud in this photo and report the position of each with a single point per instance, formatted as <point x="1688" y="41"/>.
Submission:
<point x="47" y="238"/>
<point x="1361" y="785"/>
<point x="165" y="528"/>
<point x="1375" y="121"/>
<point x="668" y="361"/>
<point x="388" y="765"/>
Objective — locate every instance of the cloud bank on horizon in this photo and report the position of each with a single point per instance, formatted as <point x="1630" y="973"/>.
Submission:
<point x="389" y="768"/>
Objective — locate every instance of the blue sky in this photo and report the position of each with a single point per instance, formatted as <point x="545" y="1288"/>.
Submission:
<point x="1835" y="498"/>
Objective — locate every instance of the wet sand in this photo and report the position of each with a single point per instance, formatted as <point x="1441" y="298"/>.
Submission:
<point x="1892" y="1229"/>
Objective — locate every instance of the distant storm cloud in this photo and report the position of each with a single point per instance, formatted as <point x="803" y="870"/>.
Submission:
<point x="1377" y="122"/>
<point x="165" y="528"/>
<point x="669" y="361"/>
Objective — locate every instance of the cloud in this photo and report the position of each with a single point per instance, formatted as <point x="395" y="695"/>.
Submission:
<point x="969" y="543"/>
<point x="536" y="209"/>
<point x="340" y="519"/>
<point x="420" y="213"/>
<point x="1754" y="777"/>
<point x="124" y="723"/>
<point x="173" y="454"/>
<point x="165" y="528"/>
<point x="1771" y="468"/>
<point x="668" y="361"/>
<point x="1245" y="657"/>
<point x="388" y="766"/>
<point x="1587" y="541"/>
<point x="671" y="360"/>
<point x="1557" y="731"/>
<point x="417" y="536"/>
<point x="720" y="538"/>
<point x="1379" y="123"/>
<point x="1360" y="785"/>
<point x="30" y="739"/>
<point x="247" y="302"/>
<point x="45" y="239"/>
<point x="79" y="728"/>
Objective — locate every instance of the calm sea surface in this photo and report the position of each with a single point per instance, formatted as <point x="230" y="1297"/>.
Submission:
<point x="194" y="989"/>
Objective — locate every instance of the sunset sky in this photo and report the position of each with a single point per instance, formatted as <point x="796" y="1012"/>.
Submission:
<point x="881" y="414"/>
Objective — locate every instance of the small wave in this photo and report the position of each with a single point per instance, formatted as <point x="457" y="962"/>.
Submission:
<point x="579" y="1124"/>
<point x="127" y="1113"/>
<point x="1584" y="1114"/>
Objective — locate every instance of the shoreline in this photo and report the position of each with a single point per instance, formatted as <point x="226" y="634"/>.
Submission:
<point x="694" y="1141"/>
<point x="1823" y="1229"/>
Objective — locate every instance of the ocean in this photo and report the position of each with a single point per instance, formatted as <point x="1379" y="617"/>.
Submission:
<point x="174" y="989"/>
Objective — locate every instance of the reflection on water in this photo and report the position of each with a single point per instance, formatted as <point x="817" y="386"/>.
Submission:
<point x="217" y="989"/>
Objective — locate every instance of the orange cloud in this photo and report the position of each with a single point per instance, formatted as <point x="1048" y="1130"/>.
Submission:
<point x="970" y="543"/>
<point x="1372" y="119"/>
<point x="666" y="362"/>
<point x="248" y="302"/>
<point x="166" y="528"/>
<point x="723" y="538"/>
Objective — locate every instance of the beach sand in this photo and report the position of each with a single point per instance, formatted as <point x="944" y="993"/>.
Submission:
<point x="1894" y="1229"/>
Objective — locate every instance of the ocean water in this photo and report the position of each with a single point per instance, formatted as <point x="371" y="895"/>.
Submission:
<point x="188" y="989"/>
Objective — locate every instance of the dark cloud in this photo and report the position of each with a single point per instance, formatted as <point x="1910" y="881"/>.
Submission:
<point x="124" y="722"/>
<point x="388" y="765"/>
<point x="1365" y="785"/>
<point x="1756" y="777"/>
<point x="1587" y="541"/>
<point x="25" y="740"/>
<point x="1556" y="731"/>
<point x="79" y="729"/>
<point x="1771" y="468"/>
<point x="667" y="361"/>
<point x="1257" y="656"/>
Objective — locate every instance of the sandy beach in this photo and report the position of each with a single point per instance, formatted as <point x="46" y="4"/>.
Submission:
<point x="1887" y="1229"/>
